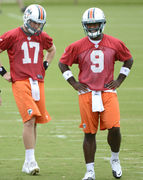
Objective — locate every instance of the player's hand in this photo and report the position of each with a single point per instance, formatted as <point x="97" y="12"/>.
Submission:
<point x="80" y="87"/>
<point x="7" y="77"/>
<point x="113" y="84"/>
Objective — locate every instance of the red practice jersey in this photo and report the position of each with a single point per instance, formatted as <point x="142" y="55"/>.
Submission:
<point x="96" y="64"/>
<point x="25" y="53"/>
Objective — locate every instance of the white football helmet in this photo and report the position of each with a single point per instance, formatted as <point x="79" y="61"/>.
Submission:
<point x="90" y="16"/>
<point x="37" y="14"/>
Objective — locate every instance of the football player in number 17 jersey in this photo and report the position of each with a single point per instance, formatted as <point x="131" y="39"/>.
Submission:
<point x="25" y="46"/>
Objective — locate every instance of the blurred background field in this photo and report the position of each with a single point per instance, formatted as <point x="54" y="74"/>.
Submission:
<point x="59" y="143"/>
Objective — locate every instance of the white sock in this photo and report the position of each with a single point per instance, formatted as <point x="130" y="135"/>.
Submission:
<point x="90" y="166"/>
<point x="29" y="155"/>
<point x="114" y="155"/>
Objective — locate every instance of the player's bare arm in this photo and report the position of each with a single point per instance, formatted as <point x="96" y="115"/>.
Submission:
<point x="50" y="54"/>
<point x="116" y="83"/>
<point x="71" y="80"/>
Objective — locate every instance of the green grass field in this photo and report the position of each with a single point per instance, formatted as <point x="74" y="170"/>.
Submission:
<point x="59" y="143"/>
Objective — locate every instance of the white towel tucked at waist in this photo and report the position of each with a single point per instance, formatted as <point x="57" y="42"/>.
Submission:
<point x="97" y="104"/>
<point x="35" y="89"/>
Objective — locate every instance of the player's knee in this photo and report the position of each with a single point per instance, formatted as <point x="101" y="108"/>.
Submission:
<point x="30" y="123"/>
<point x="89" y="137"/>
<point x="115" y="130"/>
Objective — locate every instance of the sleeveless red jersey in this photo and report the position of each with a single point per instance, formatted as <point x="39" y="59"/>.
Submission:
<point x="25" y="53"/>
<point x="96" y="64"/>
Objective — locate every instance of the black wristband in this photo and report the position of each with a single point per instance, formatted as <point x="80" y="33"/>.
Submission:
<point x="45" y="64"/>
<point x="2" y="71"/>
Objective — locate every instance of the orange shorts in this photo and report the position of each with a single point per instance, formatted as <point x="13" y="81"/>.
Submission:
<point x="27" y="106"/>
<point x="109" y="118"/>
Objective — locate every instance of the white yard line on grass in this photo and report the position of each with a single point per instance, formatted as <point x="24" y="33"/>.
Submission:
<point x="138" y="172"/>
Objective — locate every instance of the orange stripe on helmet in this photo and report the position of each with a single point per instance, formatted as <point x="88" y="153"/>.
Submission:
<point x="91" y="14"/>
<point x="41" y="13"/>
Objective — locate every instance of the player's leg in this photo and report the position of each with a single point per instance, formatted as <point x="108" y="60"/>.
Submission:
<point x="43" y="118"/>
<point x="35" y="133"/>
<point x="89" y="149"/>
<point x="29" y="138"/>
<point x="29" y="134"/>
<point x="89" y="123"/>
<point x="110" y="120"/>
<point x="29" y="111"/>
<point x="114" y="141"/>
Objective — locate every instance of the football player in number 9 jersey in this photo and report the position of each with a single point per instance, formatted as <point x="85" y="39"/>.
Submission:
<point x="25" y="46"/>
<point x="96" y="55"/>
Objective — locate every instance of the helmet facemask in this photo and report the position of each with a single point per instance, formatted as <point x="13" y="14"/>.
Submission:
<point x="32" y="30"/>
<point x="93" y="32"/>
